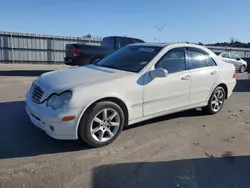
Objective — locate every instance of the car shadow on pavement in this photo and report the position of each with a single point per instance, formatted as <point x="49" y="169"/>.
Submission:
<point x="189" y="173"/>
<point x="22" y="72"/>
<point x="188" y="113"/>
<point x="19" y="138"/>
<point x="242" y="86"/>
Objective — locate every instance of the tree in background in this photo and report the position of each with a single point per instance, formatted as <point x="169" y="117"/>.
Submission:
<point x="233" y="42"/>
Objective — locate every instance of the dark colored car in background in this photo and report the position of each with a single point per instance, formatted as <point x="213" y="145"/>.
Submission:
<point x="81" y="54"/>
<point x="248" y="63"/>
<point x="248" y="67"/>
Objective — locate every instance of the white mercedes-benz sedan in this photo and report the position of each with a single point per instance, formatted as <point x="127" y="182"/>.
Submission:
<point x="136" y="83"/>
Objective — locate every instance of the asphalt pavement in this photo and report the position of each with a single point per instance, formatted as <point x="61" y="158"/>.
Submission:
<point x="186" y="149"/>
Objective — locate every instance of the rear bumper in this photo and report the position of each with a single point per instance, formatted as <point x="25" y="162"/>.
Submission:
<point x="230" y="86"/>
<point x="71" y="61"/>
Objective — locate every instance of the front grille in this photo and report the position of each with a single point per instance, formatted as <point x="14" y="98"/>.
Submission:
<point x="36" y="93"/>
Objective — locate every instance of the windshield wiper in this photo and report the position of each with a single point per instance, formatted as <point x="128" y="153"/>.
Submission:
<point x="109" y="66"/>
<point x="118" y="68"/>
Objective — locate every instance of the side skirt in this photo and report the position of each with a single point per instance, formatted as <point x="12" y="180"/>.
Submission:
<point x="189" y="107"/>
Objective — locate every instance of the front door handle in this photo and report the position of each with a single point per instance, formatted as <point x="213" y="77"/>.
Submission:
<point x="186" y="77"/>
<point x="214" y="72"/>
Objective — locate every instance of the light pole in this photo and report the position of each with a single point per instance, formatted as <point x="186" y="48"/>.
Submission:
<point x="159" y="29"/>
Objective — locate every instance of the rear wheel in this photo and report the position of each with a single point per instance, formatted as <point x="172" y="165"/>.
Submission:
<point x="242" y="68"/>
<point x="215" y="102"/>
<point x="102" y="124"/>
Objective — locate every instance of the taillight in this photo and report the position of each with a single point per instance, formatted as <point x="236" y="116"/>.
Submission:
<point x="76" y="52"/>
<point x="234" y="75"/>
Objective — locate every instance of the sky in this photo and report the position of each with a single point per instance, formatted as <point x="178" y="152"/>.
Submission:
<point x="205" y="21"/>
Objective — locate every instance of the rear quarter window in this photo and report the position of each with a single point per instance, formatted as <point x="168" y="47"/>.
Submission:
<point x="210" y="62"/>
<point x="108" y="42"/>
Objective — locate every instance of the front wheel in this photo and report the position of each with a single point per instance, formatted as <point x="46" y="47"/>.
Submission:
<point x="215" y="102"/>
<point x="102" y="124"/>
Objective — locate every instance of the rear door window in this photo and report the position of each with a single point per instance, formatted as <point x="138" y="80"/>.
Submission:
<point x="199" y="59"/>
<point x="196" y="59"/>
<point x="233" y="56"/>
<point x="225" y="55"/>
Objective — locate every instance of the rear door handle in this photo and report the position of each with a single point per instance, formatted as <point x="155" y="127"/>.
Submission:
<point x="186" y="77"/>
<point x="214" y="72"/>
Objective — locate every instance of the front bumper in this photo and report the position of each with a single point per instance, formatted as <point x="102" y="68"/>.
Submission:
<point x="50" y="120"/>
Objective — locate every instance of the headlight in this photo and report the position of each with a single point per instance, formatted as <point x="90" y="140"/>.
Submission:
<point x="59" y="101"/>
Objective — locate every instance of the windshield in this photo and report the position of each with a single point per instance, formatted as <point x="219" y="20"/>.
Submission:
<point x="130" y="58"/>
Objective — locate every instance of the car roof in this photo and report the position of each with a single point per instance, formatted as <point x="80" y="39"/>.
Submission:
<point x="122" y="37"/>
<point x="172" y="45"/>
<point x="149" y="44"/>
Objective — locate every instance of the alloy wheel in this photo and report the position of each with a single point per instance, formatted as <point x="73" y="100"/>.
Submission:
<point x="217" y="100"/>
<point x="105" y="125"/>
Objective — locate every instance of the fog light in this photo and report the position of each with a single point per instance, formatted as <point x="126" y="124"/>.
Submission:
<point x="51" y="128"/>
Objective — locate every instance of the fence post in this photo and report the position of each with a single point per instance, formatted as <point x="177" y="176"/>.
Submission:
<point x="54" y="43"/>
<point x="12" y="51"/>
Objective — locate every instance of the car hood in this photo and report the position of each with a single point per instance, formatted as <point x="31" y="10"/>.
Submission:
<point x="70" y="78"/>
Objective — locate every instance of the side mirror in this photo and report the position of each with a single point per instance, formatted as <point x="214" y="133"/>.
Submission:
<point x="159" y="73"/>
<point x="237" y="59"/>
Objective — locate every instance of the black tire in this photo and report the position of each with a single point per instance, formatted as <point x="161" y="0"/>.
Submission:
<point x="209" y="109"/>
<point x="85" y="124"/>
<point x="242" y="69"/>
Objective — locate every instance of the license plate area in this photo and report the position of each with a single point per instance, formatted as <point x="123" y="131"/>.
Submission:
<point x="37" y="121"/>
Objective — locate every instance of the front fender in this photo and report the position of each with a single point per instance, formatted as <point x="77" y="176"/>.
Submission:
<point x="94" y="100"/>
